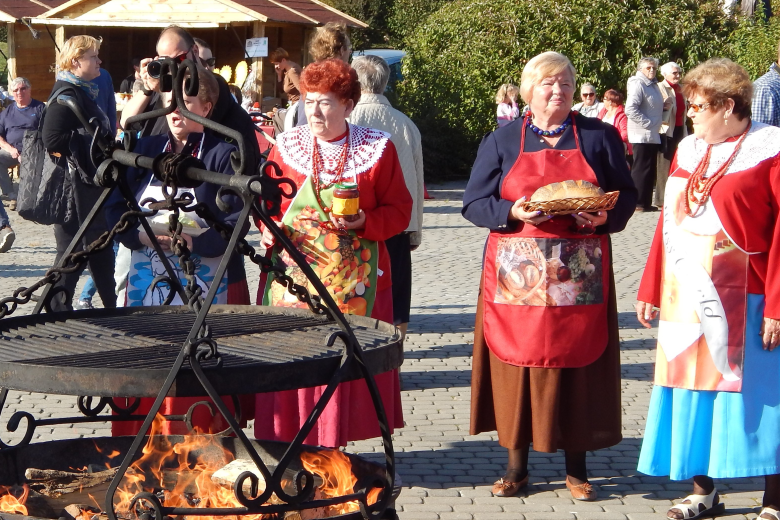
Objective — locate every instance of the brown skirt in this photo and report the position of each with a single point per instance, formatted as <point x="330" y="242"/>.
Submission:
<point x="574" y="409"/>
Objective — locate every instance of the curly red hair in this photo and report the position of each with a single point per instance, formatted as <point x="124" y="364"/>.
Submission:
<point x="334" y="76"/>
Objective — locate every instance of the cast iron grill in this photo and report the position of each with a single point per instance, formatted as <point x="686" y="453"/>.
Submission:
<point x="128" y="352"/>
<point x="201" y="349"/>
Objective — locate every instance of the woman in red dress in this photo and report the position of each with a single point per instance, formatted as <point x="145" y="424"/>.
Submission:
<point x="348" y="256"/>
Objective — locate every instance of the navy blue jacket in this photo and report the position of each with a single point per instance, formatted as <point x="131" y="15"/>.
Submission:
<point x="603" y="150"/>
<point x="216" y="157"/>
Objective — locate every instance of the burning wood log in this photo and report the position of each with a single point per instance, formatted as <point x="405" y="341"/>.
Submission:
<point x="55" y="483"/>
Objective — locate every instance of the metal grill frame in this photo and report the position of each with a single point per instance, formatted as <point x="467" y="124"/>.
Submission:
<point x="261" y="195"/>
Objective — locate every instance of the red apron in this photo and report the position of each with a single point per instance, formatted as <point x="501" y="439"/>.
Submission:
<point x="546" y="287"/>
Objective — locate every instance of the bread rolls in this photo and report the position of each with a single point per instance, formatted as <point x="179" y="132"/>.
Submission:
<point x="566" y="190"/>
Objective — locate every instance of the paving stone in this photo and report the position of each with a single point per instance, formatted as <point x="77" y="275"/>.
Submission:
<point x="440" y="464"/>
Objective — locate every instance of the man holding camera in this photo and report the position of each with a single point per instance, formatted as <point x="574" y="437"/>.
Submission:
<point x="175" y="42"/>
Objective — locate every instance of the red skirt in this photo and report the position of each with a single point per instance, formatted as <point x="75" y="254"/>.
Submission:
<point x="350" y="414"/>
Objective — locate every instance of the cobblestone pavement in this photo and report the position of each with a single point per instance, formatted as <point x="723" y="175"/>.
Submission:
<point x="447" y="474"/>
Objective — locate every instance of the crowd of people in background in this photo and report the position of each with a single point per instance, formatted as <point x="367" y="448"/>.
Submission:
<point x="710" y="259"/>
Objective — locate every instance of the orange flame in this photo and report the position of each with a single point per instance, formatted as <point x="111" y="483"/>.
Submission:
<point x="188" y="484"/>
<point x="335" y="470"/>
<point x="10" y="504"/>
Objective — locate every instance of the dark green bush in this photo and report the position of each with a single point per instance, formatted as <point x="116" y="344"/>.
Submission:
<point x="465" y="50"/>
<point x="754" y="44"/>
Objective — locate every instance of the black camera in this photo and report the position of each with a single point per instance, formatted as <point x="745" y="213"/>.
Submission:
<point x="154" y="69"/>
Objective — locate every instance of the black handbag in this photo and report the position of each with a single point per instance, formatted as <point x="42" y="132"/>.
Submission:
<point x="45" y="186"/>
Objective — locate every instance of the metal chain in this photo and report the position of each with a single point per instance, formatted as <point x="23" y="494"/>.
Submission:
<point x="278" y="271"/>
<point x="70" y="264"/>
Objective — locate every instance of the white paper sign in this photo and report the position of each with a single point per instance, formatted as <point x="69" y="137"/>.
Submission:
<point x="257" y="47"/>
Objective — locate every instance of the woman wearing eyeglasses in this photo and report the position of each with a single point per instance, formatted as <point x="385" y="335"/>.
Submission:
<point x="715" y="407"/>
<point x="590" y="106"/>
<point x="546" y="367"/>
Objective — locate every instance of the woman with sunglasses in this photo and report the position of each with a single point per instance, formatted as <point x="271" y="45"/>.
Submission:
<point x="546" y="367"/>
<point x="590" y="106"/>
<point x="715" y="407"/>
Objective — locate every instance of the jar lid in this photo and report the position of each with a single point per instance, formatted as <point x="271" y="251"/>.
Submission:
<point x="346" y="186"/>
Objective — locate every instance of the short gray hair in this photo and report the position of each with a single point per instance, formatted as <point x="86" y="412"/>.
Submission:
<point x="17" y="81"/>
<point x="373" y="73"/>
<point x="587" y="85"/>
<point x="647" y="59"/>
<point x="666" y="68"/>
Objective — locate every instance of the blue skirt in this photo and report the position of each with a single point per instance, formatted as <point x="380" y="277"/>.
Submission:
<point x="719" y="434"/>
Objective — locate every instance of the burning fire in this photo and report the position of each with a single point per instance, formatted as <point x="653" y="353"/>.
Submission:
<point x="187" y="484"/>
<point x="10" y="504"/>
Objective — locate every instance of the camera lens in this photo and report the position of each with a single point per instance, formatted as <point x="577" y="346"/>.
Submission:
<point x="154" y="68"/>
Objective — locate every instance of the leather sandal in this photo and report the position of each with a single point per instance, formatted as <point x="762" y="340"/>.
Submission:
<point x="767" y="513"/>
<point x="583" y="492"/>
<point x="507" y="488"/>
<point x="694" y="506"/>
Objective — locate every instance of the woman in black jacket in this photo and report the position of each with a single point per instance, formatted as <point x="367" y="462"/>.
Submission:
<point x="77" y="66"/>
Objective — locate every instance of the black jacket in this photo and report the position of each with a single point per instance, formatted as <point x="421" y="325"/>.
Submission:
<point x="226" y="112"/>
<point x="603" y="150"/>
<point x="216" y="157"/>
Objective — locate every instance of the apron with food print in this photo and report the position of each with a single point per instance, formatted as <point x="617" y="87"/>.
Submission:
<point x="701" y="331"/>
<point x="346" y="264"/>
<point x="146" y="265"/>
<point x="546" y="287"/>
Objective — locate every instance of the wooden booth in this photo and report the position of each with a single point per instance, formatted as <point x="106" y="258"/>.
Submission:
<point x="129" y="29"/>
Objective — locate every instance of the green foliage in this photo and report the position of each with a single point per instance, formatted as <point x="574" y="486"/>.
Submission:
<point x="461" y="54"/>
<point x="407" y="15"/>
<point x="373" y="12"/>
<point x="754" y="43"/>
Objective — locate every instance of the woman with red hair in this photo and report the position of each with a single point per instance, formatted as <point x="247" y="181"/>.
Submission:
<point x="346" y="250"/>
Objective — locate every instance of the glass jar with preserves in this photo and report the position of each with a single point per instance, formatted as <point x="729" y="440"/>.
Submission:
<point x="346" y="201"/>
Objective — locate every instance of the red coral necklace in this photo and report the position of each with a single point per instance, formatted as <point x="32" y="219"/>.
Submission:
<point x="698" y="188"/>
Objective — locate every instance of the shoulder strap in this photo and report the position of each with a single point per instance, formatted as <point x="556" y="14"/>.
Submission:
<point x="54" y="95"/>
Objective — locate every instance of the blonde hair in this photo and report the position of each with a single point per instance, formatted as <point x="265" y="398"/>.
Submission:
<point x="543" y="66"/>
<point x="75" y="48"/>
<point x="329" y="41"/>
<point x="507" y="89"/>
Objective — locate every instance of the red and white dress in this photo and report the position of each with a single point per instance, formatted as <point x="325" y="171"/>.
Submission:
<point x="715" y="406"/>
<point x="371" y="162"/>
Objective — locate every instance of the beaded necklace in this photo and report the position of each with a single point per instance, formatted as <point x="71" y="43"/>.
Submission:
<point x="318" y="167"/>
<point x="699" y="184"/>
<point x="547" y="133"/>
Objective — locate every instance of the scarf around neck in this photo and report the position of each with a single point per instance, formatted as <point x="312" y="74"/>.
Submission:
<point x="90" y="87"/>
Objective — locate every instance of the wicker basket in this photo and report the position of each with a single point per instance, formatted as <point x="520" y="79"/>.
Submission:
<point x="573" y="205"/>
<point x="528" y="248"/>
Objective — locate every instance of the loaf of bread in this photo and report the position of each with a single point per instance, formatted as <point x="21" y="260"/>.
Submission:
<point x="566" y="190"/>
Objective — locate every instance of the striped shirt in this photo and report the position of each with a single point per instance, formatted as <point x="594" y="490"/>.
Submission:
<point x="766" y="97"/>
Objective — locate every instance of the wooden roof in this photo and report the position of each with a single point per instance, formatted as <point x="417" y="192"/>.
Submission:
<point x="139" y="13"/>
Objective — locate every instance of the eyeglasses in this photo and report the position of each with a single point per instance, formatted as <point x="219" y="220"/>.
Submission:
<point x="698" y="107"/>
<point x="588" y="94"/>
<point x="211" y="61"/>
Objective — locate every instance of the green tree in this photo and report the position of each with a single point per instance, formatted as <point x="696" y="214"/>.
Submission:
<point x="407" y="15"/>
<point x="754" y="43"/>
<point x="465" y="50"/>
<point x="373" y="12"/>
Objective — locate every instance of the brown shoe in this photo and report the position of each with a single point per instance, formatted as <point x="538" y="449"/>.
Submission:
<point x="505" y="488"/>
<point x="12" y="205"/>
<point x="584" y="492"/>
